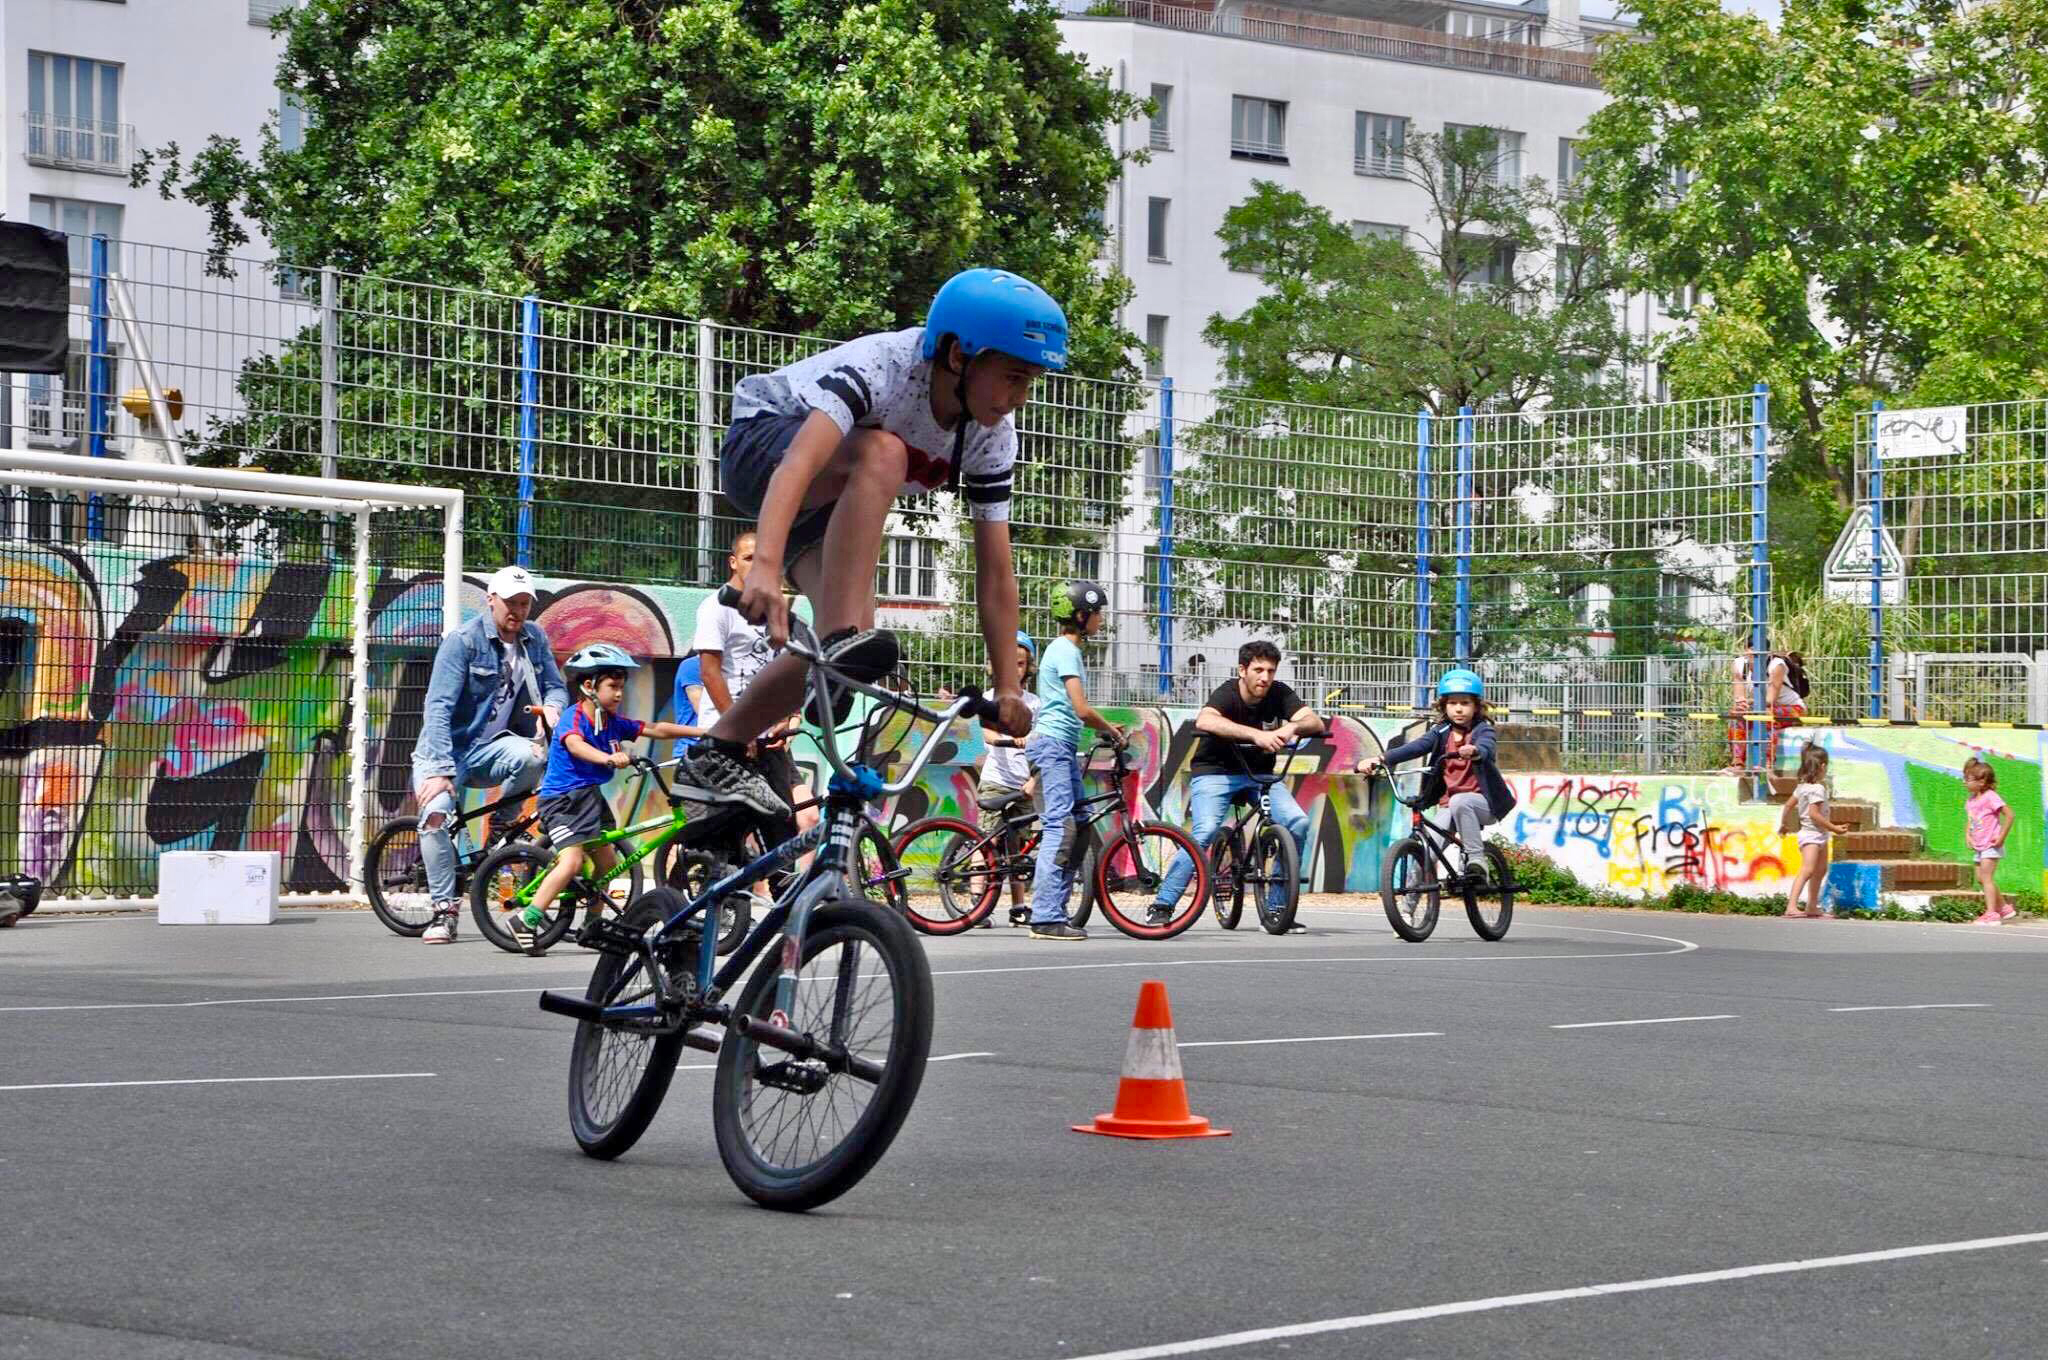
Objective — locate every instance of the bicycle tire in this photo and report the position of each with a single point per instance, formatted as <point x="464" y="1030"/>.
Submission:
<point x="1129" y="871"/>
<point x="1084" y="877"/>
<point x="1226" y="887"/>
<point x="951" y="883"/>
<point x="849" y="928"/>
<point x="876" y="870"/>
<point x="618" y="1077"/>
<point x="697" y="869"/>
<point x="1274" y="856"/>
<point x="508" y="869"/>
<point x="1407" y="873"/>
<point x="395" y="878"/>
<point x="1494" y="926"/>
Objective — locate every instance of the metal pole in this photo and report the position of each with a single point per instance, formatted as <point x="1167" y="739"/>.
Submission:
<point x="100" y="383"/>
<point x="330" y="377"/>
<point x="1464" y="534"/>
<point x="1165" y="535"/>
<point x="359" y="707"/>
<point x="1759" y="560"/>
<point x="1422" y="559"/>
<point x="707" y="452"/>
<point x="451" y="571"/>
<point x="1876" y="565"/>
<point x="529" y="422"/>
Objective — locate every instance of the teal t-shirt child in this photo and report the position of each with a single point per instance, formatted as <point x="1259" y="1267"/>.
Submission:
<point x="1056" y="716"/>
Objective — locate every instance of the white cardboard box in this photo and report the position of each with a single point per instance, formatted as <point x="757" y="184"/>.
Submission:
<point x="217" y="888"/>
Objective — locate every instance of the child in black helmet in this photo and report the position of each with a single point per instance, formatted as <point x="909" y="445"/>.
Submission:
<point x="1063" y="710"/>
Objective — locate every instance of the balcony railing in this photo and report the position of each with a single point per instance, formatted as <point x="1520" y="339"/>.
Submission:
<point x="1393" y="167"/>
<point x="79" y="143"/>
<point x="1258" y="149"/>
<point x="1162" y="139"/>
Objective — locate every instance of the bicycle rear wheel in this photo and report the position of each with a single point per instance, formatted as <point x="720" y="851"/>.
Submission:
<point x="877" y="873"/>
<point x="395" y="878"/>
<point x="1409" y="890"/>
<point x="950" y="877"/>
<point x="1226" y="889"/>
<point x="618" y="1074"/>
<point x="795" y="1132"/>
<point x="690" y="872"/>
<point x="500" y="888"/>
<point x="1130" y="870"/>
<point x="1491" y="911"/>
<point x="1274" y="878"/>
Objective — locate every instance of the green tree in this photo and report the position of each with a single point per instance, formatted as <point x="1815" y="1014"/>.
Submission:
<point x="1856" y="194"/>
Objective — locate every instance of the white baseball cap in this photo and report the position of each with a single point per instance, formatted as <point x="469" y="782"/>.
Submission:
<point x="510" y="581"/>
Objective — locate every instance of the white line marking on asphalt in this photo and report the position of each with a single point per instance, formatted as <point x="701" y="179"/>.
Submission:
<point x="1660" y="1020"/>
<point x="1311" y="1039"/>
<point x="1924" y="1006"/>
<point x="949" y="1057"/>
<point x="213" y="1081"/>
<point x="264" y="1000"/>
<point x="1591" y="1291"/>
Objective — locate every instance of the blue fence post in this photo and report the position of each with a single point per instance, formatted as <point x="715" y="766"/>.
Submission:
<point x="1165" y="535"/>
<point x="1876" y="565"/>
<point x="1759" y="563"/>
<point x="99" y="383"/>
<point x="529" y="423"/>
<point x="1464" y="534"/>
<point x="1422" y="559"/>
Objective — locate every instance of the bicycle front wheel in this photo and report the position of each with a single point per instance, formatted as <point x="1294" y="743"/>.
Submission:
<point x="395" y="878"/>
<point x="1226" y="888"/>
<point x="618" y="1074"/>
<point x="1492" y="910"/>
<point x="1130" y="879"/>
<point x="1274" y="878"/>
<point x="500" y="888"/>
<point x="797" y="1131"/>
<point x="877" y="873"/>
<point x="1409" y="890"/>
<point x="950" y="879"/>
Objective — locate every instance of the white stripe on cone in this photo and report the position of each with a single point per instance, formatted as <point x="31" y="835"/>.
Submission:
<point x="1151" y="1055"/>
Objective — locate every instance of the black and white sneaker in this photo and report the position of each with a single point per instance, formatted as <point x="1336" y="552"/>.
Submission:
<point x="863" y="654"/>
<point x="1159" y="914"/>
<point x="1057" y="930"/>
<point x="733" y="780"/>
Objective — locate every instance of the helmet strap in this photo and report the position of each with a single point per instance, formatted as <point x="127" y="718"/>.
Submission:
<point x="959" y="430"/>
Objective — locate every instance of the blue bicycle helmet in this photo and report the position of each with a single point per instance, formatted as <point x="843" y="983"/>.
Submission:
<point x="994" y="309"/>
<point x="598" y="658"/>
<point x="1024" y="641"/>
<point x="1461" y="681"/>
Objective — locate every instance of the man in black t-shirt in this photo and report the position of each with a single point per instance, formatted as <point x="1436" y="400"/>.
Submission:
<point x="1255" y="708"/>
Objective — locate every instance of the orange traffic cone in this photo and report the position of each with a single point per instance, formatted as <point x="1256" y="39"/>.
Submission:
<point x="1152" y="1097"/>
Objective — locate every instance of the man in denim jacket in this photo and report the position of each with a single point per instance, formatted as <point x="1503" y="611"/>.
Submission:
<point x="476" y="731"/>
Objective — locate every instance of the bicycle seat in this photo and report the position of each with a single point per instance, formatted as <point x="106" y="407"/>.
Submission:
<point x="1001" y="802"/>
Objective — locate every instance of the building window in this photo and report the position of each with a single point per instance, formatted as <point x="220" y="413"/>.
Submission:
<point x="1485" y="262"/>
<point x="1570" y="164"/>
<point x="1378" y="231"/>
<point x="1258" y="128"/>
<point x="1155" y="228"/>
<point x="261" y="12"/>
<point x="1489" y="27"/>
<point x="1380" y="144"/>
<point x="1674" y="596"/>
<point x="1088" y="564"/>
<point x="1680" y="301"/>
<point x="1155" y="346"/>
<point x="1499" y="152"/>
<point x="74" y="114"/>
<point x="53" y="409"/>
<point x="909" y="569"/>
<point x="1571" y="269"/>
<point x="1162" y="117"/>
<point x="81" y="220"/>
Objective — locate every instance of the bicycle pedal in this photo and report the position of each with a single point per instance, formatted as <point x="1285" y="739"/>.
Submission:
<point x="608" y="936"/>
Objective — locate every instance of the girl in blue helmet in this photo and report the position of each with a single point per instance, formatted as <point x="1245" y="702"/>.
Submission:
<point x="819" y="451"/>
<point x="1462" y="778"/>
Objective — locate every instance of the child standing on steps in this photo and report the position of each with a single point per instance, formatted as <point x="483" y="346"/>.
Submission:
<point x="1990" y="824"/>
<point x="1807" y="811"/>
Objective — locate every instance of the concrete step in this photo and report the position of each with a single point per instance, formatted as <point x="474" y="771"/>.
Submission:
<point x="1890" y="843"/>
<point x="1854" y="813"/>
<point x="1923" y="875"/>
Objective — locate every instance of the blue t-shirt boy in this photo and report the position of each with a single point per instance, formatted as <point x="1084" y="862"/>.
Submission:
<point x="566" y="773"/>
<point x="689" y="674"/>
<point x="1056" y="716"/>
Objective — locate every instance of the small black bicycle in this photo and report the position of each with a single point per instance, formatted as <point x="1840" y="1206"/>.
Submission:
<point x="1254" y="853"/>
<point x="1418" y="870"/>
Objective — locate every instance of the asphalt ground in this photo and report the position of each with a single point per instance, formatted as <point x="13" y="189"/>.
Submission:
<point x="1448" y="1194"/>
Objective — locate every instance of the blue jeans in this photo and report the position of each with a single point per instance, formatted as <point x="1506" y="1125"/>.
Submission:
<point x="1059" y="778"/>
<point x="509" y="763"/>
<point x="1209" y="807"/>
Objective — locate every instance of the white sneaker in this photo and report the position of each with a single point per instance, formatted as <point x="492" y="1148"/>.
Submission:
<point x="441" y="930"/>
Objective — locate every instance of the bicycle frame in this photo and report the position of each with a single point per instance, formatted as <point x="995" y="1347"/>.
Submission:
<point x="666" y="828"/>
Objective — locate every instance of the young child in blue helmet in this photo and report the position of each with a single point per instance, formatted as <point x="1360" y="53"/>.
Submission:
<point x="819" y="451"/>
<point x="1463" y="778"/>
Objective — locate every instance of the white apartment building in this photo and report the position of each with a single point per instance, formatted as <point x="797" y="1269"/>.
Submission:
<point x="84" y="84"/>
<point x="1318" y="96"/>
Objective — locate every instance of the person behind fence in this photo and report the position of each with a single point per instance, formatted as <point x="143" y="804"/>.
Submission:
<point x="1007" y="780"/>
<point x="1990" y="822"/>
<point x="1807" y="812"/>
<point x="476" y="730"/>
<point x="585" y="751"/>
<point x="1063" y="710"/>
<point x="819" y="451"/>
<point x="1257" y="708"/>
<point x="1463" y="778"/>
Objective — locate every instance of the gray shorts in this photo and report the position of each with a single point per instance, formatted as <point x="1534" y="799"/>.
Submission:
<point x="752" y="450"/>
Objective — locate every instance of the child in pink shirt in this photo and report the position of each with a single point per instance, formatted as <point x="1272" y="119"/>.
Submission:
<point x="1990" y="824"/>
